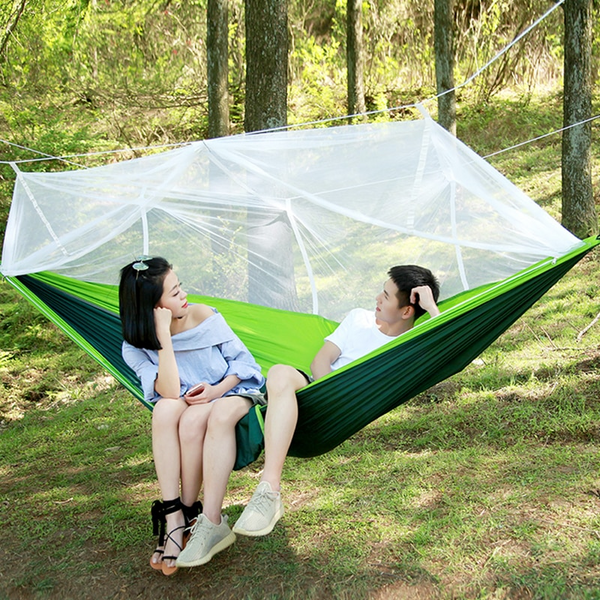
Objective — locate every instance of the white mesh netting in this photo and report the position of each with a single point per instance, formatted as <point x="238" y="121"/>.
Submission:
<point x="304" y="220"/>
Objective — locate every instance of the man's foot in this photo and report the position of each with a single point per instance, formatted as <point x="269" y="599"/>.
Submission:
<point x="262" y="513"/>
<point x="205" y="541"/>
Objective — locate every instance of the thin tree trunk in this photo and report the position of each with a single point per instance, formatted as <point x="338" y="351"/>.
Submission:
<point x="271" y="263"/>
<point x="217" y="56"/>
<point x="266" y="64"/>
<point x="217" y="68"/>
<point x="444" y="64"/>
<point x="578" y="210"/>
<point x="354" y="58"/>
<point x="11" y="26"/>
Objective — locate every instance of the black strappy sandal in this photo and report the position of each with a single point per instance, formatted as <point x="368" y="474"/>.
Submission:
<point x="159" y="512"/>
<point x="190" y="514"/>
<point x="158" y="528"/>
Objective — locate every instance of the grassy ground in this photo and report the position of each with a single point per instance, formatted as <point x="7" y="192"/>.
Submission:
<point x="485" y="486"/>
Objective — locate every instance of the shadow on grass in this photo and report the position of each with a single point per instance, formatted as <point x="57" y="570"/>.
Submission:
<point x="477" y="488"/>
<point x="433" y="500"/>
<point x="75" y="490"/>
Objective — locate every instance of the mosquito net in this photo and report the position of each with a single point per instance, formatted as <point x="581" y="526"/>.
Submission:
<point x="307" y="220"/>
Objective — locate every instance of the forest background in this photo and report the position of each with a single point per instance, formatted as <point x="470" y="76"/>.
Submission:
<point x="494" y="468"/>
<point x="84" y="74"/>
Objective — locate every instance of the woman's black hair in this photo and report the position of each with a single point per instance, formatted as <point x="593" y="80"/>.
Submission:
<point x="139" y="292"/>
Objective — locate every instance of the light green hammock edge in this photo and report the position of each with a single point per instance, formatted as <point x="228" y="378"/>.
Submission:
<point x="335" y="407"/>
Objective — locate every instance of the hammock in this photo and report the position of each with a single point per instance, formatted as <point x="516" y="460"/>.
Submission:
<point x="285" y="232"/>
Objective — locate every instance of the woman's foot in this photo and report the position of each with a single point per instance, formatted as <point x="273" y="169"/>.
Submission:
<point x="168" y="522"/>
<point x="173" y="542"/>
<point x="158" y="525"/>
<point x="190" y="513"/>
<point x="156" y="558"/>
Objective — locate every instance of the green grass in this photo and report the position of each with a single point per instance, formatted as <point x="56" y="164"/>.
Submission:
<point x="482" y="487"/>
<point x="478" y="488"/>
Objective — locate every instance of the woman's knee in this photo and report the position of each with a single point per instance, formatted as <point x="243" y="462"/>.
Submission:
<point x="167" y="412"/>
<point x="193" y="422"/>
<point x="228" y="411"/>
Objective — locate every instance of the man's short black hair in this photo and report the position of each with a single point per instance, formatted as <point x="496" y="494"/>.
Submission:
<point x="407" y="277"/>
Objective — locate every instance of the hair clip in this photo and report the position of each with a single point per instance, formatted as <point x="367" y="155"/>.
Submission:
<point x="140" y="265"/>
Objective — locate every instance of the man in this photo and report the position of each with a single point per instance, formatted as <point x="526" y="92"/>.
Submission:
<point x="409" y="292"/>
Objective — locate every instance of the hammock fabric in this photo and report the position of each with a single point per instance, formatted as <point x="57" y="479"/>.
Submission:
<point x="284" y="233"/>
<point x="330" y="410"/>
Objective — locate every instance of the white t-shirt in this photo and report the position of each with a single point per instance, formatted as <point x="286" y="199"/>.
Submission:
<point x="356" y="336"/>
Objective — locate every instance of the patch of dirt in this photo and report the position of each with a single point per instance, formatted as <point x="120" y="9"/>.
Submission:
<point x="407" y="591"/>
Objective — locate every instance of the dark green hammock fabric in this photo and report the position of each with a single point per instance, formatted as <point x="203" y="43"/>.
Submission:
<point x="339" y="405"/>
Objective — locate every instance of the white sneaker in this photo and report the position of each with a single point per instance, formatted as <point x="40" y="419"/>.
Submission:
<point x="206" y="540"/>
<point x="263" y="511"/>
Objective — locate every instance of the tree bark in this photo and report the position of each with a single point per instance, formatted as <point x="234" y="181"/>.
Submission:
<point x="354" y="58"/>
<point x="271" y="263"/>
<point x="444" y="64"/>
<point x="217" y="67"/>
<point x="578" y="210"/>
<point x="266" y="64"/>
<point x="13" y="20"/>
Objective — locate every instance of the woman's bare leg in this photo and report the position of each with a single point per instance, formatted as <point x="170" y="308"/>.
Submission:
<point x="220" y="451"/>
<point x="166" y="452"/>
<point x="192" y="432"/>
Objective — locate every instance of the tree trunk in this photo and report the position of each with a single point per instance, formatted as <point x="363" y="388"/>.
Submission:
<point x="266" y="64"/>
<point x="271" y="265"/>
<point x="444" y="64"/>
<point x="11" y="25"/>
<point x="578" y="210"/>
<point x="354" y="58"/>
<point x="217" y="71"/>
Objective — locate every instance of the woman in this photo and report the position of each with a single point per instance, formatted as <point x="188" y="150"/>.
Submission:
<point x="202" y="380"/>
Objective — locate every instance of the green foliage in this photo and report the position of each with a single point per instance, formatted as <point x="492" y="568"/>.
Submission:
<point x="113" y="59"/>
<point x="321" y="81"/>
<point x="93" y="49"/>
<point x="136" y="71"/>
<point x="47" y="126"/>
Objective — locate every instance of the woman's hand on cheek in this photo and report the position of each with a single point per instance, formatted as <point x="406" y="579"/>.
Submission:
<point x="162" y="319"/>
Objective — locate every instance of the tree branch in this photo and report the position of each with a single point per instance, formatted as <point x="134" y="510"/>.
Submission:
<point x="584" y="331"/>
<point x="11" y="26"/>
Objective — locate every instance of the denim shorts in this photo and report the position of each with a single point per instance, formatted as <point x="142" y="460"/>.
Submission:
<point x="254" y="397"/>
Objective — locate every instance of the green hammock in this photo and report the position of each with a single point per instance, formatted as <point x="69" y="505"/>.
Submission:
<point x="283" y="231"/>
<point x="330" y="410"/>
